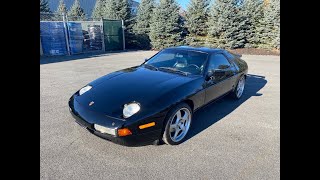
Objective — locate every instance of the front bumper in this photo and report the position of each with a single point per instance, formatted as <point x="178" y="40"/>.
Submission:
<point x="87" y="119"/>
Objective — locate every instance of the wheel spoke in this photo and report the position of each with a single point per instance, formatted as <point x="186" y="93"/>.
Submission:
<point x="185" y="116"/>
<point x="173" y="127"/>
<point x="176" y="133"/>
<point x="175" y="121"/>
<point x="182" y="127"/>
<point x="178" y="114"/>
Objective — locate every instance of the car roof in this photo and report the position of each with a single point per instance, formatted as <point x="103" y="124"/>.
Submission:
<point x="202" y="49"/>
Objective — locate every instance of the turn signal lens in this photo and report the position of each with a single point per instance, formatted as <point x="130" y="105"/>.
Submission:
<point x="124" y="132"/>
<point x="147" y="125"/>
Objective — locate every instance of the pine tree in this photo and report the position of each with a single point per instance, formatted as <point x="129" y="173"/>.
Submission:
<point x="61" y="8"/>
<point x="269" y="26"/>
<point x="252" y="12"/>
<point x="165" y="29"/>
<point x="141" y="28"/>
<point x="117" y="9"/>
<point x="97" y="13"/>
<point x="76" y="13"/>
<point x="120" y="10"/>
<point x="44" y="6"/>
<point x="276" y="22"/>
<point x="144" y="16"/>
<point x="196" y="22"/>
<point x="226" y="25"/>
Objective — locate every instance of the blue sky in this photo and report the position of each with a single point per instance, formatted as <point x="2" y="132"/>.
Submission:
<point x="183" y="3"/>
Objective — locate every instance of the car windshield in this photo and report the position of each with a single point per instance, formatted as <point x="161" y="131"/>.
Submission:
<point x="179" y="61"/>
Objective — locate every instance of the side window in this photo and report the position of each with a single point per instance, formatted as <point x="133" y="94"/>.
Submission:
<point x="218" y="61"/>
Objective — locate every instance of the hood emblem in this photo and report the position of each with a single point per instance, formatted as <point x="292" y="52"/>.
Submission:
<point x="91" y="103"/>
<point x="113" y="123"/>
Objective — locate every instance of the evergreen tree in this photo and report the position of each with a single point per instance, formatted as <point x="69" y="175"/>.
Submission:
<point x="98" y="10"/>
<point x="252" y="12"/>
<point x="276" y="32"/>
<point x="117" y="9"/>
<point x="76" y="13"/>
<point x="142" y="26"/>
<point x="120" y="10"/>
<point x="196" y="22"/>
<point x="44" y="6"/>
<point x="144" y="16"/>
<point x="226" y="24"/>
<point x="61" y="8"/>
<point x="269" y="26"/>
<point x="165" y="29"/>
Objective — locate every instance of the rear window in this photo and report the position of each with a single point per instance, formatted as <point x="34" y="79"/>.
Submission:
<point x="229" y="55"/>
<point x="240" y="63"/>
<point x="236" y="59"/>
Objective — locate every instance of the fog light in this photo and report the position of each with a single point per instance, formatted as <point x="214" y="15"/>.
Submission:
<point x="103" y="129"/>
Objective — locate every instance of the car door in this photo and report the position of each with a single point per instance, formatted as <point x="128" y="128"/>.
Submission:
<point x="220" y="82"/>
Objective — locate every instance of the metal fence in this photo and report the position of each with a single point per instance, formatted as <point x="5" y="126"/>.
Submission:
<point x="63" y="35"/>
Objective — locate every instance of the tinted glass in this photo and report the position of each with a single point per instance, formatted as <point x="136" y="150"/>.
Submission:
<point x="229" y="56"/>
<point x="218" y="61"/>
<point x="240" y="63"/>
<point x="183" y="60"/>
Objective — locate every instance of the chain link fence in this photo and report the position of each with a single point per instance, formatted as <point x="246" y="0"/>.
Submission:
<point x="63" y="35"/>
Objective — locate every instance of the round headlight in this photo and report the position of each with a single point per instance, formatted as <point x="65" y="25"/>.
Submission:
<point x="130" y="109"/>
<point x="84" y="89"/>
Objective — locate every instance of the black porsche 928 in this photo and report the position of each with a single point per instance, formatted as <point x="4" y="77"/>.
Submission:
<point x="155" y="101"/>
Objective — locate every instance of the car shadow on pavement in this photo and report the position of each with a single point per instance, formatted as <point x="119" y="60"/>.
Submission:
<point x="212" y="113"/>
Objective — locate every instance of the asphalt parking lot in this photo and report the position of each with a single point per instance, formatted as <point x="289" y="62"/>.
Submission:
<point x="228" y="140"/>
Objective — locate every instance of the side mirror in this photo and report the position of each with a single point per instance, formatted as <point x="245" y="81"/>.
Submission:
<point x="215" y="73"/>
<point x="222" y="67"/>
<point x="219" y="72"/>
<point x="146" y="59"/>
<point x="209" y="75"/>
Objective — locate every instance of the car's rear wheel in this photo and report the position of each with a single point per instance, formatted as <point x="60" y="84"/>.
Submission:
<point x="237" y="93"/>
<point x="177" y="125"/>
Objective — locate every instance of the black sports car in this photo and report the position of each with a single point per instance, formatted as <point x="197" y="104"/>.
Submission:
<point x="155" y="101"/>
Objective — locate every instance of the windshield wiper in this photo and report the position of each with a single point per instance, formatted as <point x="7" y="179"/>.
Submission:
<point x="169" y="69"/>
<point x="151" y="67"/>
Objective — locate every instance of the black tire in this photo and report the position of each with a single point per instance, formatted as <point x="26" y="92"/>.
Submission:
<point x="234" y="92"/>
<point x="166" y="136"/>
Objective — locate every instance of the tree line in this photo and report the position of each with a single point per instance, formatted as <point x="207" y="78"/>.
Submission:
<point x="76" y="12"/>
<point x="222" y="23"/>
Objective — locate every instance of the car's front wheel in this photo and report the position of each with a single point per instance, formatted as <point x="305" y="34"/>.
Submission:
<point x="177" y="125"/>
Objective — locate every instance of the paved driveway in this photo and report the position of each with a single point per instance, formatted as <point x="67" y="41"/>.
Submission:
<point x="228" y="140"/>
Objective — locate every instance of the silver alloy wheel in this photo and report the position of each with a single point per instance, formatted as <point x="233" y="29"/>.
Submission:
<point x="180" y="124"/>
<point x="240" y="87"/>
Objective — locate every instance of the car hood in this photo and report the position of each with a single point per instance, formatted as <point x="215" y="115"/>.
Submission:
<point x="109" y="93"/>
